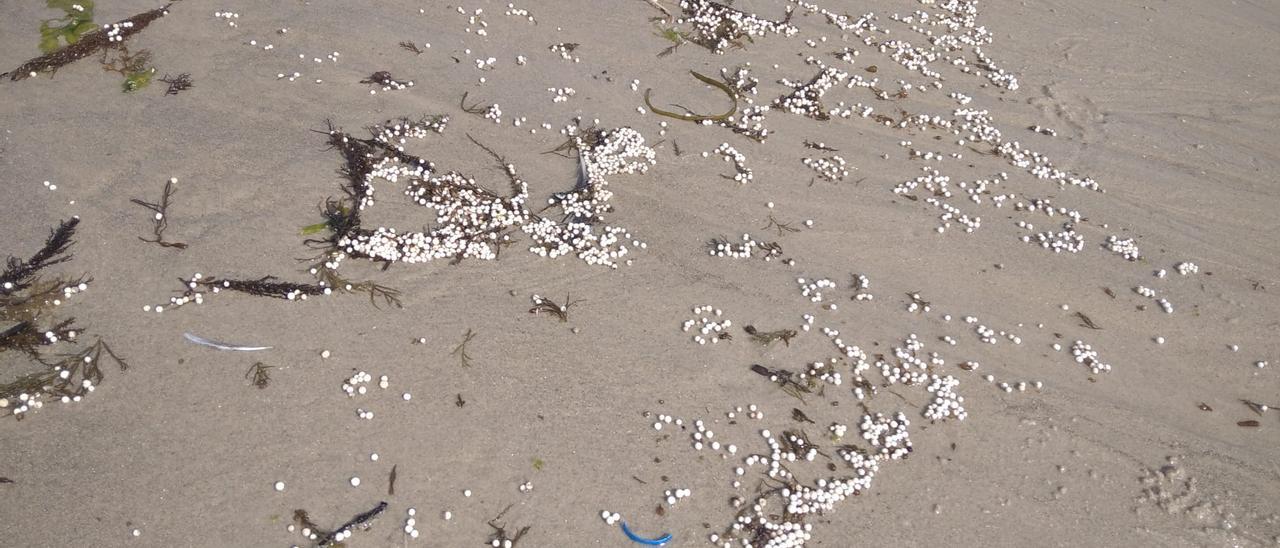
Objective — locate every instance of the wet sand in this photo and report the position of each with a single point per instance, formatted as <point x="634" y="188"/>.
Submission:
<point x="1168" y="107"/>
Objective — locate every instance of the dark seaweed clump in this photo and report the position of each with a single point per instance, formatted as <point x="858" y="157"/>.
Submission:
<point x="31" y="328"/>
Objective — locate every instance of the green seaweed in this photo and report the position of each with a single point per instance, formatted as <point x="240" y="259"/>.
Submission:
<point x="135" y="67"/>
<point x="66" y="30"/>
<point x="691" y="116"/>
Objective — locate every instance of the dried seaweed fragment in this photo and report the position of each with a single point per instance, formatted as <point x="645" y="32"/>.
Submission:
<point x="544" y="305"/>
<point x="259" y="375"/>
<point x="500" y="537"/>
<point x="108" y="36"/>
<point x="1085" y="321"/>
<point x="386" y="80"/>
<point x="785" y="379"/>
<point x="330" y="538"/>
<point x="465" y="359"/>
<point x="177" y="84"/>
<point x="408" y="45"/>
<point x="781" y="227"/>
<point x="161" y="217"/>
<point x="819" y="146"/>
<point x="19" y="275"/>
<point x="769" y="337"/>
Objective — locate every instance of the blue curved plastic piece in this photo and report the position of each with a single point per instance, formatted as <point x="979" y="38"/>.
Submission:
<point x="649" y="541"/>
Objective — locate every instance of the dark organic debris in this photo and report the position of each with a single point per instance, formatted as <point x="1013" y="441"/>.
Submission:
<point x="177" y="84"/>
<point x="160" y="221"/>
<point x="465" y="359"/>
<point x="545" y="305"/>
<point x="259" y="375"/>
<point x="329" y="538"/>
<point x="769" y="337"/>
<point x="500" y="537"/>
<point x="107" y="37"/>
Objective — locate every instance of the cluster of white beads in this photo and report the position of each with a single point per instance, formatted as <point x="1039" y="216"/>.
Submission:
<point x="1086" y="355"/>
<point x="709" y="327"/>
<point x="718" y="26"/>
<point x="1126" y="247"/>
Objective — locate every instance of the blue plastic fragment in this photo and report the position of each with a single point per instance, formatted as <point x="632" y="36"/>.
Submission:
<point x="649" y="541"/>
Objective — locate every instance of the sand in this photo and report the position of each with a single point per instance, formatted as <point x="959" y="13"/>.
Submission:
<point x="1169" y="106"/>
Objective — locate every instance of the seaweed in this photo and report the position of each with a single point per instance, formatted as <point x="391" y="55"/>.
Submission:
<point x="465" y="359"/>
<point x="408" y="45"/>
<point x="177" y="84"/>
<point x="819" y="146"/>
<point x="385" y="79"/>
<point x="799" y="416"/>
<point x="500" y="537"/>
<point x="543" y="304"/>
<point x="24" y="302"/>
<point x="673" y="35"/>
<point x="1085" y="321"/>
<point x="689" y="115"/>
<point x="259" y="375"/>
<point x="331" y="538"/>
<point x="161" y="219"/>
<point x="781" y="227"/>
<point x="391" y="481"/>
<point x="918" y="303"/>
<point x="19" y="275"/>
<point x="785" y="379"/>
<point x="76" y="21"/>
<point x="72" y="377"/>
<point x="717" y="26"/>
<point x="135" y="67"/>
<point x="90" y="42"/>
<point x="769" y="337"/>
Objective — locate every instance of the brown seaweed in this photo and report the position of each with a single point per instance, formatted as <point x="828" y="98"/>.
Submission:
<point x="160" y="221"/>
<point x="465" y="359"/>
<point x="259" y="375"/>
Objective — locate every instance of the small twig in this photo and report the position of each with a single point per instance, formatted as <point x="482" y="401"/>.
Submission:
<point x="391" y="482"/>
